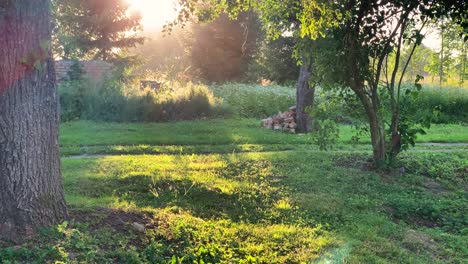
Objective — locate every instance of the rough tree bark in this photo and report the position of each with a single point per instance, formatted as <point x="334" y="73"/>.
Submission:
<point x="304" y="98"/>
<point x="31" y="192"/>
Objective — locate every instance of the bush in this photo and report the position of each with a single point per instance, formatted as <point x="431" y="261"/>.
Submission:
<point x="122" y="102"/>
<point x="72" y="100"/>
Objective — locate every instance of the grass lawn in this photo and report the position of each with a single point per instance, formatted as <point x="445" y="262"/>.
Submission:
<point x="212" y="136"/>
<point x="442" y="133"/>
<point x="264" y="205"/>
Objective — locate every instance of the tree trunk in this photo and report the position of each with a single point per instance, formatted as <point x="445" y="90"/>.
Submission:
<point x="441" y="68"/>
<point x="395" y="141"/>
<point x="304" y="98"/>
<point x="376" y="127"/>
<point x="31" y="192"/>
<point x="377" y="131"/>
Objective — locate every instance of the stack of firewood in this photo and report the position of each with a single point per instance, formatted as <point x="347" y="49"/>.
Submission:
<point x="285" y="121"/>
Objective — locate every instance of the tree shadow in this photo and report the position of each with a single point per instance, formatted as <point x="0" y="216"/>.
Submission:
<point x="252" y="201"/>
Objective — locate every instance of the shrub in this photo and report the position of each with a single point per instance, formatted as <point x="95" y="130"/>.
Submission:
<point x="119" y="101"/>
<point x="71" y="100"/>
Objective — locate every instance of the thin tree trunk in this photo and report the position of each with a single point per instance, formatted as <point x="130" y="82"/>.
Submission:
<point x="31" y="192"/>
<point x="463" y="65"/>
<point x="441" y="68"/>
<point x="376" y="127"/>
<point x="395" y="141"/>
<point x="371" y="104"/>
<point x="377" y="131"/>
<point x="304" y="99"/>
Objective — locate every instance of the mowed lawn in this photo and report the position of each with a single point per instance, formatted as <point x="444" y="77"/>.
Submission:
<point x="225" y="191"/>
<point x="216" y="132"/>
<point x="214" y="136"/>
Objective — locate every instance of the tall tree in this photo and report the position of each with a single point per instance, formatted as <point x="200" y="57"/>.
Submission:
<point x="274" y="61"/>
<point x="365" y="33"/>
<point x="455" y="54"/>
<point x="371" y="31"/>
<point x="448" y="38"/>
<point x="31" y="192"/>
<point x="96" y="29"/>
<point x="461" y="62"/>
<point x="223" y="48"/>
<point x="278" y="17"/>
<point x="418" y="63"/>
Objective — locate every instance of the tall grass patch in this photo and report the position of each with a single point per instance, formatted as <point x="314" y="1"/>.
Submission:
<point x="449" y="104"/>
<point x="247" y="100"/>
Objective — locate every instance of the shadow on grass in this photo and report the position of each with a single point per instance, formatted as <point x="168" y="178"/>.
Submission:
<point x="247" y="191"/>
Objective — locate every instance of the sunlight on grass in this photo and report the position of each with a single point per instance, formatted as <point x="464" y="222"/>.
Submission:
<point x="275" y="207"/>
<point x="223" y="198"/>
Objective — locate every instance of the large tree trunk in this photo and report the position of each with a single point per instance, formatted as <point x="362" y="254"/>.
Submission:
<point x="304" y="98"/>
<point x="31" y="192"/>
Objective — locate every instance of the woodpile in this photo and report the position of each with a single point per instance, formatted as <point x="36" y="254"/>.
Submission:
<point x="285" y="121"/>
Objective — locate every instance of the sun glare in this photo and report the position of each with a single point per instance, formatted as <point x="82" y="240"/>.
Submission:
<point x="155" y="13"/>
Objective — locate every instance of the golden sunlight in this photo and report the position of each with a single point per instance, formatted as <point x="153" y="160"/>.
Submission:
<point x="155" y="13"/>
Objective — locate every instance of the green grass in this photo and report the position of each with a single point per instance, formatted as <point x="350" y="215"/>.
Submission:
<point x="215" y="132"/>
<point x="226" y="191"/>
<point x="442" y="133"/>
<point x="264" y="207"/>
<point x="208" y="132"/>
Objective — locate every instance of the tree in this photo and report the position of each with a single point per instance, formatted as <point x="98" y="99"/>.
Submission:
<point x="418" y="63"/>
<point x="455" y="53"/>
<point x="223" y="48"/>
<point x="279" y="18"/>
<point x="448" y="39"/>
<point x="371" y="32"/>
<point x="96" y="29"/>
<point x="365" y="32"/>
<point x="31" y="192"/>
<point x="168" y="55"/>
<point x="274" y="61"/>
<point x="461" y="59"/>
<point x="433" y="66"/>
<point x="448" y="63"/>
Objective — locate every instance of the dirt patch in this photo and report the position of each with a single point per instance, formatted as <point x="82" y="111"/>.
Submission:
<point x="119" y="220"/>
<point x="433" y="186"/>
<point x="413" y="220"/>
<point x="127" y="223"/>
<point x="360" y="162"/>
<point x="277" y="178"/>
<point x="365" y="163"/>
<point x="418" y="221"/>
<point x="418" y="241"/>
<point x="82" y="156"/>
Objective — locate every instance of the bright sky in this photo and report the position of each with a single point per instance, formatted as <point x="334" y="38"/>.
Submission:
<point x="155" y="13"/>
<point x="432" y="40"/>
